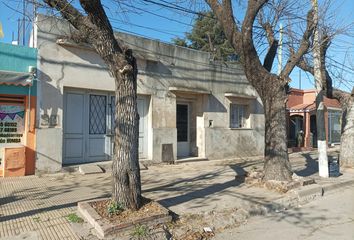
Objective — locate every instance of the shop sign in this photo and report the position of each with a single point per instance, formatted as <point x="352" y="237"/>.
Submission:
<point x="12" y="127"/>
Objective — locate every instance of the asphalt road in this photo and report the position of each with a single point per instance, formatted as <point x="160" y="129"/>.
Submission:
<point x="330" y="217"/>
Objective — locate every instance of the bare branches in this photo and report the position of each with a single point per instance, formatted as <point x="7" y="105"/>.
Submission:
<point x="67" y="11"/>
<point x="225" y="16"/>
<point x="304" y="46"/>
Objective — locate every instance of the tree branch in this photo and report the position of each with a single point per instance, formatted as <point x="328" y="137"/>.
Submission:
<point x="304" y="46"/>
<point x="273" y="44"/>
<point x="68" y="12"/>
<point x="225" y="16"/>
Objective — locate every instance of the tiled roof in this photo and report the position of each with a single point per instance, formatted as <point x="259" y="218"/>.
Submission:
<point x="328" y="102"/>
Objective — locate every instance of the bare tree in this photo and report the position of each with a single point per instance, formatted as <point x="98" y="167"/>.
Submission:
<point x="320" y="115"/>
<point x="346" y="100"/>
<point x="94" y="28"/>
<point x="271" y="88"/>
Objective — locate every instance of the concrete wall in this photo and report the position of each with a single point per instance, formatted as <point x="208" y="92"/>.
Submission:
<point x="161" y="66"/>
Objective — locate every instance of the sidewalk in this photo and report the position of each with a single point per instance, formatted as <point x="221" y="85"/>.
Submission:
<point x="41" y="204"/>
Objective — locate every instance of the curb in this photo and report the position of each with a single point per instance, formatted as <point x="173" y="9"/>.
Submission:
<point x="295" y="198"/>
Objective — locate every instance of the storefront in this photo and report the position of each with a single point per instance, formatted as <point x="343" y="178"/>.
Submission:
<point x="17" y="110"/>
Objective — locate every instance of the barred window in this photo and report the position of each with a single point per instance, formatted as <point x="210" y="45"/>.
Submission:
<point x="238" y="116"/>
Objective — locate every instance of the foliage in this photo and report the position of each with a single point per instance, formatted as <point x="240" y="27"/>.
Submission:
<point x="74" y="218"/>
<point x="115" y="208"/>
<point x="207" y="35"/>
<point x="140" y="231"/>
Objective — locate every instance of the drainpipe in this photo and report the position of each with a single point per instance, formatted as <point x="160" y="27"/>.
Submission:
<point x="32" y="70"/>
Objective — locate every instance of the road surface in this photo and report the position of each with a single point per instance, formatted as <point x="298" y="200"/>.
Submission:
<point x="330" y="217"/>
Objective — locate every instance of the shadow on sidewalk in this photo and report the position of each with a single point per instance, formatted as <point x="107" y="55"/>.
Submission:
<point x="311" y="166"/>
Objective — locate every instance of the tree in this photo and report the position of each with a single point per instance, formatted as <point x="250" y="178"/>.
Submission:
<point x="271" y="88"/>
<point x="207" y="35"/>
<point x="320" y="115"/>
<point x="346" y="100"/>
<point x="94" y="28"/>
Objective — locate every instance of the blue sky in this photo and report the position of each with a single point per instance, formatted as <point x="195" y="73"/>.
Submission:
<point x="158" y="22"/>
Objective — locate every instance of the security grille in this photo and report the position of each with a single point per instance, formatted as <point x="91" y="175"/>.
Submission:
<point x="97" y="116"/>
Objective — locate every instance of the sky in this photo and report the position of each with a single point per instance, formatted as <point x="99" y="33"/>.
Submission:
<point x="161" y="20"/>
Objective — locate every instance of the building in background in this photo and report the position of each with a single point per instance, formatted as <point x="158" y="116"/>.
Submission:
<point x="301" y="108"/>
<point x="18" y="90"/>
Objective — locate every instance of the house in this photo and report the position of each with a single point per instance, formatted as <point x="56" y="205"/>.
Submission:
<point x="18" y="90"/>
<point x="189" y="106"/>
<point x="301" y="108"/>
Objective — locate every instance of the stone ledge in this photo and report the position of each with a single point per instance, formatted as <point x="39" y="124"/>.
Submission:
<point x="105" y="228"/>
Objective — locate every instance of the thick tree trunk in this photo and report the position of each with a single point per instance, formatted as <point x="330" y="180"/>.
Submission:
<point x="276" y="165"/>
<point x="126" y="172"/>
<point x="347" y="139"/>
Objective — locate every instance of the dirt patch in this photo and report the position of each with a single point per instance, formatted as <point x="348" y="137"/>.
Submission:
<point x="149" y="209"/>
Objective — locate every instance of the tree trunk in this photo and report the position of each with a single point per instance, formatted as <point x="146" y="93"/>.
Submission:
<point x="276" y="165"/>
<point x="321" y="137"/>
<point x="347" y="139"/>
<point x="126" y="172"/>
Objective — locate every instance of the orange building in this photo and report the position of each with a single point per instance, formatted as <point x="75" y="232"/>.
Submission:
<point x="301" y="109"/>
<point x="17" y="110"/>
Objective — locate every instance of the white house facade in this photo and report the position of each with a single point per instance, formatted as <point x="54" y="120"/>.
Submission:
<point x="189" y="105"/>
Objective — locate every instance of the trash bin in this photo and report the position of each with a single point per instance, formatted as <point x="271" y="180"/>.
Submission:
<point x="333" y="167"/>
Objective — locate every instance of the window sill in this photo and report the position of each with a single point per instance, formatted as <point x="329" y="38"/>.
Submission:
<point x="241" y="128"/>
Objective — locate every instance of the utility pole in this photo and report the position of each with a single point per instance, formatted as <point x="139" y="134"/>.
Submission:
<point x="320" y="116"/>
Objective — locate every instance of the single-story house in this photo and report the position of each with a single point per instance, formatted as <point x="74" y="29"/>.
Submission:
<point x="189" y="105"/>
<point x="301" y="108"/>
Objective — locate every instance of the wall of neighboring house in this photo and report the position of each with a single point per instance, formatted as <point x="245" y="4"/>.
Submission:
<point x="171" y="79"/>
<point x="22" y="100"/>
<point x="301" y="104"/>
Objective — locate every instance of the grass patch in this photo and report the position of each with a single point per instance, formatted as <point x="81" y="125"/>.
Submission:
<point x="74" y="218"/>
<point x="140" y="231"/>
<point x="115" y="208"/>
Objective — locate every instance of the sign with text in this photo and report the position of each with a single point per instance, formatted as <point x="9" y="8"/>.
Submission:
<point x="12" y="124"/>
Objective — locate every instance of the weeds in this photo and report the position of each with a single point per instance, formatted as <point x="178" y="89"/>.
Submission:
<point x="140" y="231"/>
<point x="74" y="218"/>
<point x="115" y="208"/>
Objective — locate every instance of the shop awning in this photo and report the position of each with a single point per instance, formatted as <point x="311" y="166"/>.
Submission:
<point x="16" y="78"/>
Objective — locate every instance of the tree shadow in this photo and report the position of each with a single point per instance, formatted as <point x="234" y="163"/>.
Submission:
<point x="311" y="166"/>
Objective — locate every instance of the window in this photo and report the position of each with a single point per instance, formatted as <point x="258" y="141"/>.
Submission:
<point x="97" y="123"/>
<point x="238" y="116"/>
<point x="334" y="126"/>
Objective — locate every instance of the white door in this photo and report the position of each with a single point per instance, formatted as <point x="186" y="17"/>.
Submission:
<point x="85" y="127"/>
<point x="182" y="124"/>
<point x="74" y="128"/>
<point x="142" y="111"/>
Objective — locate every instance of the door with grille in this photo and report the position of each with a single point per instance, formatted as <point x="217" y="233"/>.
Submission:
<point x="85" y="127"/>
<point x="89" y="126"/>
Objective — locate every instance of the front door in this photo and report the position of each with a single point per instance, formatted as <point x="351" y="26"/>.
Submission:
<point x="182" y="123"/>
<point x="85" y="127"/>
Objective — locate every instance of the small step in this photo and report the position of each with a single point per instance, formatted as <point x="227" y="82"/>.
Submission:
<point x="190" y="159"/>
<point x="90" y="169"/>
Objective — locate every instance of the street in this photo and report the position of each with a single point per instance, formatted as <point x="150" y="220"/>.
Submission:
<point x="330" y="217"/>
